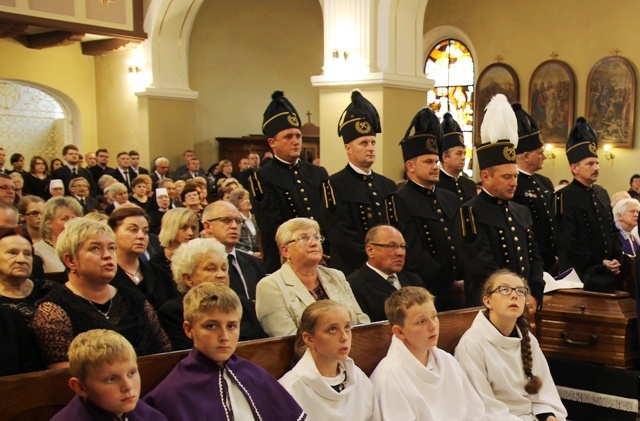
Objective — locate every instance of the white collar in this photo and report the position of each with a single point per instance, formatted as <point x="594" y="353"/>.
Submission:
<point x="381" y="273"/>
<point x="360" y="170"/>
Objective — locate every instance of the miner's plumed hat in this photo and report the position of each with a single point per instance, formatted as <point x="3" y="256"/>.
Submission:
<point x="499" y="134"/>
<point x="360" y="118"/>
<point x="451" y="133"/>
<point x="528" y="132"/>
<point x="582" y="142"/>
<point x="279" y="115"/>
<point x="426" y="136"/>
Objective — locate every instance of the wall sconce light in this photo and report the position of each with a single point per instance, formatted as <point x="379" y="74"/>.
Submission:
<point x="548" y="151"/>
<point x="607" y="152"/>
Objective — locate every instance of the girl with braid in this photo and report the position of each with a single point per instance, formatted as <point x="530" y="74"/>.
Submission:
<point x="503" y="360"/>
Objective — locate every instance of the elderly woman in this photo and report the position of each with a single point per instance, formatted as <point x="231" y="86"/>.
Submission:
<point x="179" y="225"/>
<point x="192" y="199"/>
<point x="198" y="261"/>
<point x="625" y="213"/>
<point x="18" y="181"/>
<point x="37" y="179"/>
<point x="118" y="195"/>
<point x="55" y="214"/>
<point x="88" y="300"/>
<point x="282" y="296"/>
<point x="249" y="229"/>
<point x="30" y="208"/>
<point x="131" y="226"/>
<point x="16" y="260"/>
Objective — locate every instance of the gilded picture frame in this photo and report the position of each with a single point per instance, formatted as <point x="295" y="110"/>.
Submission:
<point x="497" y="78"/>
<point x="611" y="100"/>
<point x="552" y="100"/>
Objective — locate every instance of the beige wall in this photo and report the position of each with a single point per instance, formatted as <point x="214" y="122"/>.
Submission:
<point x="63" y="69"/>
<point x="526" y="33"/>
<point x="242" y="51"/>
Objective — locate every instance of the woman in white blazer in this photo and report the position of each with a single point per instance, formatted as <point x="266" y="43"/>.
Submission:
<point x="325" y="382"/>
<point x="282" y="296"/>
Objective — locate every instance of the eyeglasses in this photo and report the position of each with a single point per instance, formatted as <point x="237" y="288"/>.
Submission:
<point x="306" y="239"/>
<point x="505" y="290"/>
<point x="227" y="220"/>
<point x="392" y="246"/>
<point x="34" y="213"/>
<point x="80" y="185"/>
<point x="6" y="187"/>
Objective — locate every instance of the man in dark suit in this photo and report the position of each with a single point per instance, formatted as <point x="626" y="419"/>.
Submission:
<point x="382" y="273"/>
<point x="193" y="170"/>
<point x="354" y="196"/>
<point x="161" y="170"/>
<point x="254" y="164"/>
<point x="222" y="221"/>
<point x="72" y="169"/>
<point x="182" y="170"/>
<point x="102" y="165"/>
<point x="634" y="186"/>
<point x="122" y="173"/>
<point x="134" y="164"/>
<point x="3" y="160"/>
<point x="285" y="187"/>
<point x="79" y="188"/>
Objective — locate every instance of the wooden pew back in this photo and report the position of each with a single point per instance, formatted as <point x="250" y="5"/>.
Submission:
<point x="38" y="396"/>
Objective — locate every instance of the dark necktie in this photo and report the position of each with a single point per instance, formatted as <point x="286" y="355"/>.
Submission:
<point x="74" y="171"/>
<point x="126" y="178"/>
<point x="235" y="279"/>
<point x="392" y="279"/>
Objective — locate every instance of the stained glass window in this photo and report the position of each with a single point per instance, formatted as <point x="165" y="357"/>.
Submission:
<point x="451" y="66"/>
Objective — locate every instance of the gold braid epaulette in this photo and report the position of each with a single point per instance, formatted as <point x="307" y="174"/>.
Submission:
<point x="468" y="223"/>
<point x="256" y="187"/>
<point x="329" y="197"/>
<point x="390" y="207"/>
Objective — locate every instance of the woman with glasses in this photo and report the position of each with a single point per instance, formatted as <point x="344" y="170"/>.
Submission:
<point x="282" y="296"/>
<point x="30" y="208"/>
<point x="36" y="181"/>
<point x="249" y="229"/>
<point x="503" y="360"/>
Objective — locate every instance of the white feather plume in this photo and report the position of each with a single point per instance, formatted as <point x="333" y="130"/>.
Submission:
<point x="499" y="121"/>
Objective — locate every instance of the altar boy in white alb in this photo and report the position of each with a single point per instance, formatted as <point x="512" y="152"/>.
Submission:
<point x="416" y="380"/>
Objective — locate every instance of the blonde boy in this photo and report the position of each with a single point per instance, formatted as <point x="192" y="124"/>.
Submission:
<point x="416" y="380"/>
<point x="212" y="381"/>
<point x="105" y="380"/>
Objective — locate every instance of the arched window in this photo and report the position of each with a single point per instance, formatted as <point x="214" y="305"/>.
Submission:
<point x="32" y="121"/>
<point x="451" y="66"/>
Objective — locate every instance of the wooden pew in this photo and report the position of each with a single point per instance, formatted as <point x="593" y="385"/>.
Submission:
<point x="37" y="396"/>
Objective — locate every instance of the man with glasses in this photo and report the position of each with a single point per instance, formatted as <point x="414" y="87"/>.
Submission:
<point x="383" y="272"/>
<point x="425" y="213"/>
<point x="496" y="232"/>
<point x="222" y="221"/>
<point x="7" y="189"/>
<point x="79" y="188"/>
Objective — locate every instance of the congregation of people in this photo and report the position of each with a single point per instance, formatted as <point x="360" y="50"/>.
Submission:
<point x="99" y="265"/>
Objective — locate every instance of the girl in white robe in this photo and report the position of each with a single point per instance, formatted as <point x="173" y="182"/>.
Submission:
<point x="416" y="380"/>
<point x="503" y="360"/>
<point x="325" y="382"/>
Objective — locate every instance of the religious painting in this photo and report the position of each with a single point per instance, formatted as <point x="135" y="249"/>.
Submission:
<point x="551" y="100"/>
<point x="611" y="100"/>
<point x="497" y="78"/>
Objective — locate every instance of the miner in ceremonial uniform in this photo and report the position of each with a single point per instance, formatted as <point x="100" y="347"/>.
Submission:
<point x="496" y="232"/>
<point x="585" y="230"/>
<point x="285" y="187"/>
<point x="452" y="155"/>
<point x="354" y="196"/>
<point x="535" y="191"/>
<point x="425" y="214"/>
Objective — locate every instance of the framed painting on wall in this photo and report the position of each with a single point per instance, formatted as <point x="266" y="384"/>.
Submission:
<point x="497" y="78"/>
<point x="551" y="100"/>
<point x="611" y="100"/>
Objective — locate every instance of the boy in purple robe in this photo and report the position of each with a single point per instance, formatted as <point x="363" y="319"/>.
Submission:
<point x="105" y="380"/>
<point x="212" y="382"/>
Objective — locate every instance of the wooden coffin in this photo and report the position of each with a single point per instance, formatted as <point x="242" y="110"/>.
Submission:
<point x="589" y="326"/>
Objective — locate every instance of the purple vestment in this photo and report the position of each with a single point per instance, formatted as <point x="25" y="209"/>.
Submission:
<point x="80" y="410"/>
<point x="192" y="391"/>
